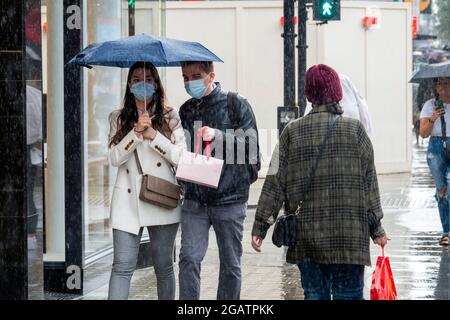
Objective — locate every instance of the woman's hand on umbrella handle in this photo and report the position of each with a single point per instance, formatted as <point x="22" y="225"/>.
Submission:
<point x="143" y="122"/>
<point x="149" y="133"/>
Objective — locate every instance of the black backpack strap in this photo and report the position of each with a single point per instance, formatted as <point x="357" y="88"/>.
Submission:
<point x="231" y="97"/>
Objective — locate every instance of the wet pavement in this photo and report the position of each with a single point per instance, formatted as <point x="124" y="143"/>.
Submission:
<point x="420" y="265"/>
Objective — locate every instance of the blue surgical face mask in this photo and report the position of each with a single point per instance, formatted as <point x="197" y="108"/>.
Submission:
<point x="196" y="88"/>
<point x="139" y="88"/>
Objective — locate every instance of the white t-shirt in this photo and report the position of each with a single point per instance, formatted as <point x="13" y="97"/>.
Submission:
<point x="427" y="111"/>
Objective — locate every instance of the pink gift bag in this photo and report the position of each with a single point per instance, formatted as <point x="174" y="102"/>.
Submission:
<point x="200" y="169"/>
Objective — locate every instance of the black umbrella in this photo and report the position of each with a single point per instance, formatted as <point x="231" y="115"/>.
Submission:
<point x="432" y="71"/>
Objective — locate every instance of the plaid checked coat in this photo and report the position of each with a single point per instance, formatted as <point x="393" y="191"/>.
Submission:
<point x="333" y="226"/>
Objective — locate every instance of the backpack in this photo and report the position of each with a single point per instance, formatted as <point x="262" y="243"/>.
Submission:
<point x="253" y="168"/>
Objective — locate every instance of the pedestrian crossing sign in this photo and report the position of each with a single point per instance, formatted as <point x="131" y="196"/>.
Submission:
<point x="325" y="10"/>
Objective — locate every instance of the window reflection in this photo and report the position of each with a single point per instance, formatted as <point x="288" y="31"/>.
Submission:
<point x="34" y="140"/>
<point x="104" y="24"/>
<point x="106" y="20"/>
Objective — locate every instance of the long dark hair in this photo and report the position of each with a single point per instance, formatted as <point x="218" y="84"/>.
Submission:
<point x="129" y="113"/>
<point x="434" y="87"/>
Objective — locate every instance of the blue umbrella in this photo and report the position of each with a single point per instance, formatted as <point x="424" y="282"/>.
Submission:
<point x="161" y="52"/>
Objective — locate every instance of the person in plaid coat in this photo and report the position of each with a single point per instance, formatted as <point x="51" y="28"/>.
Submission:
<point x="342" y="209"/>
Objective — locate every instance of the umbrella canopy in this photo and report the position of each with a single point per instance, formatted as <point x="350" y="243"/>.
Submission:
<point x="161" y="52"/>
<point x="431" y="71"/>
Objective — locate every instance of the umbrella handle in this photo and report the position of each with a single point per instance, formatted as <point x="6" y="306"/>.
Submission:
<point x="145" y="96"/>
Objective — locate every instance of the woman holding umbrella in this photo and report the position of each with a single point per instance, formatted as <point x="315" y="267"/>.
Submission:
<point x="435" y="122"/>
<point x="152" y="133"/>
<point x="146" y="131"/>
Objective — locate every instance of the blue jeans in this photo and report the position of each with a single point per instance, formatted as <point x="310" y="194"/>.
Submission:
<point x="126" y="249"/>
<point x="440" y="170"/>
<point x="342" y="281"/>
<point x="228" y="224"/>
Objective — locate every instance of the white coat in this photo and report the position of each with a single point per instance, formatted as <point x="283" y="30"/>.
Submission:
<point x="127" y="212"/>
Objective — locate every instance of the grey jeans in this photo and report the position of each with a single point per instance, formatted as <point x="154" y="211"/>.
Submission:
<point x="228" y="224"/>
<point x="126" y="249"/>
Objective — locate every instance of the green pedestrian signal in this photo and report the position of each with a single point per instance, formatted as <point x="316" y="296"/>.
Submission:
<point x="325" y="10"/>
<point x="131" y="3"/>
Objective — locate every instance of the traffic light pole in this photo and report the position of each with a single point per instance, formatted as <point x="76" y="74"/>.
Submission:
<point x="302" y="47"/>
<point x="289" y="53"/>
<point x="131" y="17"/>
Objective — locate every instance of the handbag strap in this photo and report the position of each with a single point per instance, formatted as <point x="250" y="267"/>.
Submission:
<point x="319" y="155"/>
<point x="139" y="167"/>
<point x="231" y="97"/>
<point x="316" y="163"/>
<point x="138" y="163"/>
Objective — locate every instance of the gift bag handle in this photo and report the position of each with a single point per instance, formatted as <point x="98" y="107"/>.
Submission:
<point x="199" y="141"/>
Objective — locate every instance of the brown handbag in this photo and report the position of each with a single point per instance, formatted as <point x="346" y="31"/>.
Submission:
<point x="157" y="191"/>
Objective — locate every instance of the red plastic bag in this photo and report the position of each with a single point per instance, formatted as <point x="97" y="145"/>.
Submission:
<point x="383" y="286"/>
